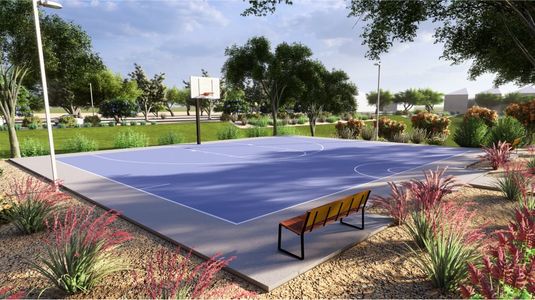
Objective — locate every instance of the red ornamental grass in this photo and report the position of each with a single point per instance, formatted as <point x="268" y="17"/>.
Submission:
<point x="32" y="189"/>
<point x="78" y="252"/>
<point x="397" y="204"/>
<point x="428" y="192"/>
<point x="9" y="293"/>
<point x="497" y="155"/>
<point x="508" y="266"/>
<point x="172" y="276"/>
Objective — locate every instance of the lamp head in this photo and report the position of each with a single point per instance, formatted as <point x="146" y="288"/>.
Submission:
<point x="377" y="63"/>
<point x="49" y="4"/>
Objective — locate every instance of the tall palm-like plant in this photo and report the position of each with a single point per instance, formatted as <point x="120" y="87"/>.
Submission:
<point x="11" y="78"/>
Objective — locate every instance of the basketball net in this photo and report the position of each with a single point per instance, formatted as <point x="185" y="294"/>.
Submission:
<point x="205" y="95"/>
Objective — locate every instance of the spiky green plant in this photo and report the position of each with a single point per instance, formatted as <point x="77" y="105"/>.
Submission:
<point x="513" y="182"/>
<point x="228" y="132"/>
<point x="256" y="132"/>
<point x="79" y="253"/>
<point x="80" y="143"/>
<point x="170" y="138"/>
<point x="131" y="139"/>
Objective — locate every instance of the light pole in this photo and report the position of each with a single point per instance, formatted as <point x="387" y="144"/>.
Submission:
<point x="91" y="92"/>
<point x="378" y="64"/>
<point x="55" y="5"/>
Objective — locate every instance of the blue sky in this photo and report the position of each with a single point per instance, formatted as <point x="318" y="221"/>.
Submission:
<point x="179" y="37"/>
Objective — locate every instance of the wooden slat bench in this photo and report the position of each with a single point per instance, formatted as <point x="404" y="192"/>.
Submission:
<point x="320" y="216"/>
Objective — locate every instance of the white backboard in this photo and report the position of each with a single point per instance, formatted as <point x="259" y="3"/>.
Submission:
<point x="201" y="85"/>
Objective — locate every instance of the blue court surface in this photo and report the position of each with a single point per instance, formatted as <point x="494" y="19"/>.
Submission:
<point x="241" y="180"/>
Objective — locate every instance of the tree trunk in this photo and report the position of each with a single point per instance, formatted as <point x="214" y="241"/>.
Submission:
<point x="312" y="124"/>
<point x="274" y="116"/>
<point x="170" y="110"/>
<point x="187" y="108"/>
<point x="13" y="140"/>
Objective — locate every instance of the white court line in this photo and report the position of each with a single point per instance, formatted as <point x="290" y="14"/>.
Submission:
<point x="256" y="161"/>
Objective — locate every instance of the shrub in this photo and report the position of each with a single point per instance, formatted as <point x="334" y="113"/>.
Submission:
<point x="349" y="130"/>
<point x="68" y="121"/>
<point x="332" y="119"/>
<point x="367" y="133"/>
<point x="29" y="120"/>
<point x="60" y="126"/>
<point x="285" y="121"/>
<point x="133" y="123"/>
<point x="506" y="270"/>
<point x="33" y="126"/>
<point x="513" y="182"/>
<point x="302" y="120"/>
<point x="471" y="133"/>
<point x="400" y="137"/>
<point x="388" y="128"/>
<point x="78" y="126"/>
<point x="427" y="193"/>
<point x="244" y="120"/>
<point x="32" y="203"/>
<point x="497" y="155"/>
<point x="224" y="117"/>
<point x="80" y="143"/>
<point x="488" y="116"/>
<point x="228" y="132"/>
<point x="119" y="109"/>
<point x="256" y="132"/>
<point x="18" y="127"/>
<point x="507" y="130"/>
<point x="87" y="125"/>
<point x="142" y="123"/>
<point x="153" y="123"/>
<point x="261" y="122"/>
<point x="321" y="119"/>
<point x="397" y="204"/>
<point x="112" y="124"/>
<point x="170" y="138"/>
<point x="131" y="139"/>
<point x="79" y="252"/>
<point x="418" y="135"/>
<point x="170" y="276"/>
<point x="438" y="139"/>
<point x="431" y="123"/>
<point x="32" y="147"/>
<point x="453" y="244"/>
<point x="93" y="120"/>
<point x="524" y="113"/>
<point x="3" y="128"/>
<point x="285" y="130"/>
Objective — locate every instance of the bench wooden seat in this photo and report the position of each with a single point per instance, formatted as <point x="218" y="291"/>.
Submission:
<point x="322" y="215"/>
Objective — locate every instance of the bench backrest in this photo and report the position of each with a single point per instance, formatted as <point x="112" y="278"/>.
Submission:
<point x="333" y="211"/>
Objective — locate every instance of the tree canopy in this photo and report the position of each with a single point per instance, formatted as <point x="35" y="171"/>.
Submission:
<point x="430" y="98"/>
<point x="494" y="36"/>
<point x="409" y="98"/>
<point x="386" y="98"/>
<point x="275" y="72"/>
<point x="152" y="90"/>
<point x="488" y="100"/>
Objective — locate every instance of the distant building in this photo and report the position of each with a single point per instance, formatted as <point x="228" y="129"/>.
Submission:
<point x="390" y="108"/>
<point x="456" y="102"/>
<point x="527" y="91"/>
<point x="495" y="91"/>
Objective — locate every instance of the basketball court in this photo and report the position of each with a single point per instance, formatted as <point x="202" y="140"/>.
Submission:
<point x="229" y="196"/>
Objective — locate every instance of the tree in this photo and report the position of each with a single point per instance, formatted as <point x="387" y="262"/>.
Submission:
<point x="11" y="78"/>
<point x="118" y="109"/>
<point x="494" y="36"/>
<point x="234" y="102"/>
<point x="408" y="98"/>
<point x="153" y="90"/>
<point x="516" y="98"/>
<point x="430" y="98"/>
<point x="386" y="98"/>
<point x="29" y="101"/>
<point x="488" y="100"/>
<point x="67" y="49"/>
<point x="175" y="96"/>
<point x="274" y="72"/>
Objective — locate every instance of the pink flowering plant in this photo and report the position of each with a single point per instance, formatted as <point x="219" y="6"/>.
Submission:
<point x="397" y="204"/>
<point x="507" y="270"/>
<point x="31" y="203"/>
<point x="498" y="155"/>
<point x="172" y="276"/>
<point x="427" y="193"/>
<point x="79" y="251"/>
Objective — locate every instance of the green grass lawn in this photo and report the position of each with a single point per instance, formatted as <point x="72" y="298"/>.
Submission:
<point x="59" y="110"/>
<point x="105" y="136"/>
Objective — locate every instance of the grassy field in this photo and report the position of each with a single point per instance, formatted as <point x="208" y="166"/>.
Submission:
<point x="105" y="136"/>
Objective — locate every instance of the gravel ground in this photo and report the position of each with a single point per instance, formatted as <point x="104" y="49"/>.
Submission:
<point x="380" y="267"/>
